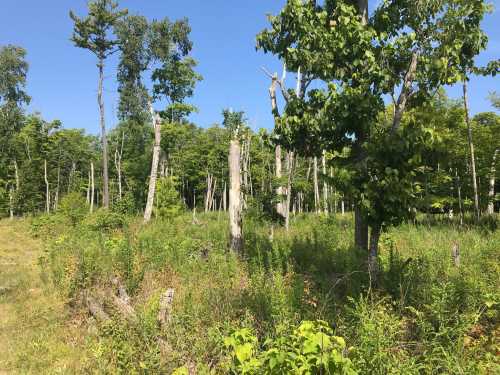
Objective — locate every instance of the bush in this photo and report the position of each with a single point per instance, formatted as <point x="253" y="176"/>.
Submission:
<point x="167" y="200"/>
<point x="73" y="207"/>
<point x="311" y="348"/>
<point x="105" y="220"/>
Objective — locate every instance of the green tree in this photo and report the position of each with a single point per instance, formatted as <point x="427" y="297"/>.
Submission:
<point x="94" y="34"/>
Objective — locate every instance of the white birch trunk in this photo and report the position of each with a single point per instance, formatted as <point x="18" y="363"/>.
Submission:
<point x="325" y="186"/>
<point x="316" y="186"/>
<point x="154" y="166"/>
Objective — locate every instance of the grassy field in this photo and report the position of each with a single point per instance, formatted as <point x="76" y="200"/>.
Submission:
<point x="37" y="333"/>
<point x="424" y="316"/>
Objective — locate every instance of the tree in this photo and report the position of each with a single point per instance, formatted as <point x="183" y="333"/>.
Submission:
<point x="13" y="72"/>
<point x="234" y="122"/>
<point x="94" y="34"/>
<point x="406" y="46"/>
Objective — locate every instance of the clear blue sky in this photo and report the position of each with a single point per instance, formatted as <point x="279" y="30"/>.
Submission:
<point x="63" y="79"/>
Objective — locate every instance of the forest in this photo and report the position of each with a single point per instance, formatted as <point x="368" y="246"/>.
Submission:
<point x="356" y="234"/>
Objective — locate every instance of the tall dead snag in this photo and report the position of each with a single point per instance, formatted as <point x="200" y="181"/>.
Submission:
<point x="471" y="150"/>
<point x="491" y="192"/>
<point x="47" y="191"/>
<point x="92" y="187"/>
<point x="154" y="165"/>
<point x="290" y="167"/>
<point x="235" y="231"/>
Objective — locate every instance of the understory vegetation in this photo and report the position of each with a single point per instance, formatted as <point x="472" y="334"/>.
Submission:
<point x="299" y="300"/>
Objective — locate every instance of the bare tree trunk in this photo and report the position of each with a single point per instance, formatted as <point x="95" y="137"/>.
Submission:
<point x="88" y="189"/>
<point x="279" y="189"/>
<point x="105" y="177"/>
<point x="47" y="191"/>
<point x="471" y="149"/>
<point x="289" y="189"/>
<point x="224" y="198"/>
<point x="491" y="192"/>
<point x="342" y="207"/>
<point x="16" y="174"/>
<point x="316" y="187"/>
<point x="92" y="188"/>
<point x="235" y="222"/>
<point x="154" y="165"/>
<point x="325" y="186"/>
<point x="11" y="203"/>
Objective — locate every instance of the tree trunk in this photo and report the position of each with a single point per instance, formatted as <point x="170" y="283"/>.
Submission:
<point x="491" y="192"/>
<point x="47" y="191"/>
<point x="11" y="203"/>
<point x="279" y="190"/>
<point x="235" y="222"/>
<point x="154" y="166"/>
<point x="325" y="185"/>
<point x="88" y="189"/>
<point x="16" y="174"/>
<point x="92" y="187"/>
<point x="289" y="189"/>
<point x="360" y="230"/>
<point x="224" y="198"/>
<point x="471" y="149"/>
<point x="105" y="177"/>
<point x="373" y="256"/>
<point x="316" y="186"/>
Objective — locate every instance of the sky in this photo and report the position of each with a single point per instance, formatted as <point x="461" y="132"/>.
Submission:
<point x="62" y="79"/>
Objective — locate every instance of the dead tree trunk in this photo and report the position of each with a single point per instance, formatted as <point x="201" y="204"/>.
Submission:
<point x="290" y="168"/>
<point x="11" y="203"/>
<point x="491" y="192"/>
<point x="56" y="198"/>
<point x="471" y="150"/>
<point x="154" y="165"/>
<point x="105" y="178"/>
<point x="92" y="187"/>
<point x="235" y="222"/>
<point x="47" y="191"/>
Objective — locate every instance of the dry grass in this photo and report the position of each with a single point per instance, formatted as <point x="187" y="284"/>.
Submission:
<point x="36" y="335"/>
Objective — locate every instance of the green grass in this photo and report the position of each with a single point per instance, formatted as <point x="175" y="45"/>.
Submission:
<point x="426" y="316"/>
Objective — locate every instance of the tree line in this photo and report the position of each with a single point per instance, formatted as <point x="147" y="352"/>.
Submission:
<point x="366" y="124"/>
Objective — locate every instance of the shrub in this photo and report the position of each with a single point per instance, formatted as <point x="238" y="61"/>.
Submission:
<point x="73" y="207"/>
<point x="167" y="201"/>
<point x="311" y="348"/>
<point x="105" y="220"/>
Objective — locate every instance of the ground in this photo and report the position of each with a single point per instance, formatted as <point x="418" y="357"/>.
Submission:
<point x="35" y="336"/>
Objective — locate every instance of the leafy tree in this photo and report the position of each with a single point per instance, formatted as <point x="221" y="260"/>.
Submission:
<point x="93" y="33"/>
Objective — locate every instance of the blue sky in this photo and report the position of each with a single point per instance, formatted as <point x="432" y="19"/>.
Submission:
<point x="63" y="79"/>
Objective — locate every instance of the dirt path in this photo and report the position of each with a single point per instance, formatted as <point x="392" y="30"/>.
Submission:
<point x="36" y="336"/>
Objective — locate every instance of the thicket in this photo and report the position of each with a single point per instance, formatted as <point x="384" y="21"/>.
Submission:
<point x="251" y="315"/>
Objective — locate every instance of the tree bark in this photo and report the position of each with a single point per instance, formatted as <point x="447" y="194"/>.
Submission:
<point x="373" y="256"/>
<point x="289" y="189"/>
<point x="105" y="177"/>
<point x="92" y="187"/>
<point x="154" y="166"/>
<point x="235" y="222"/>
<point x="491" y="192"/>
<point x="405" y="92"/>
<point x="279" y="190"/>
<point x="471" y="149"/>
<point x="56" y="198"/>
<point x="11" y="203"/>
<point x="47" y="191"/>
